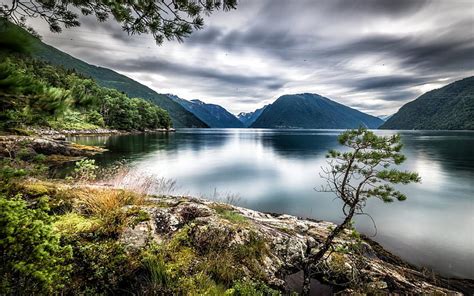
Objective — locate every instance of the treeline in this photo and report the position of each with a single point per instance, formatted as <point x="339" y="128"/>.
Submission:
<point x="35" y="93"/>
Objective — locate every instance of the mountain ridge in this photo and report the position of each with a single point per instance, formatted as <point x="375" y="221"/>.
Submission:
<point x="450" y="107"/>
<point x="308" y="110"/>
<point x="215" y="116"/>
<point x="111" y="79"/>
<point x="247" y="118"/>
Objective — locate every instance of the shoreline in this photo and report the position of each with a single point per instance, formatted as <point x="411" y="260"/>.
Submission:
<point x="285" y="235"/>
<point x="46" y="132"/>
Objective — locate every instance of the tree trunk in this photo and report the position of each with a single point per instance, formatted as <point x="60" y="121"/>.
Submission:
<point x="320" y="254"/>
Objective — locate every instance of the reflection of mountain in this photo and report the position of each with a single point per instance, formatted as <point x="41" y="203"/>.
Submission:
<point x="300" y="145"/>
<point x="452" y="150"/>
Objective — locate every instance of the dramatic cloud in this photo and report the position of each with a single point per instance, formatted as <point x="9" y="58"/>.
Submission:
<point x="373" y="55"/>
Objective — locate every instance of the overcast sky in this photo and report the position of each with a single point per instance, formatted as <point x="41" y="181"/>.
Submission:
<point x="372" y="55"/>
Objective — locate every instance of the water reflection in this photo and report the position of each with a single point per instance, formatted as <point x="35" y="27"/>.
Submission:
<point x="276" y="171"/>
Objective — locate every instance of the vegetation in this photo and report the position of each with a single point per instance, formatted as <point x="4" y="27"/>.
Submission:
<point x="56" y="234"/>
<point x="15" y="40"/>
<point x="163" y="19"/>
<point x="32" y="258"/>
<point x="37" y="93"/>
<point x="448" y="108"/>
<point x="356" y="175"/>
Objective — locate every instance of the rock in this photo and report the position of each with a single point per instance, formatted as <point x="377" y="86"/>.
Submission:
<point x="29" y="146"/>
<point x="286" y="238"/>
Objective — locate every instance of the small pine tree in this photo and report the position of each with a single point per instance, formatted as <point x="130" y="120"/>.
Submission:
<point x="356" y="175"/>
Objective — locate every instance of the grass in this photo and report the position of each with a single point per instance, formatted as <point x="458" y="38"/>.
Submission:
<point x="228" y="213"/>
<point x="102" y="202"/>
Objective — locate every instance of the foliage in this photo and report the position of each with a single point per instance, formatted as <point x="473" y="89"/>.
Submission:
<point x="364" y="171"/>
<point x="358" y="174"/>
<point x="229" y="214"/>
<point x="37" y="93"/>
<point x="99" y="267"/>
<point x="32" y="259"/>
<point x="163" y="19"/>
<point x="85" y="169"/>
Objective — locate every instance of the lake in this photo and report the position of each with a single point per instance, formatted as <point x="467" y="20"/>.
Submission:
<point x="277" y="171"/>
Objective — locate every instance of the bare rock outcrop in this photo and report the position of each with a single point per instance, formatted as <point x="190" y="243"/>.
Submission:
<point x="370" y="269"/>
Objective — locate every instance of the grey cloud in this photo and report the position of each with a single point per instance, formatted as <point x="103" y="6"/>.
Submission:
<point x="317" y="42"/>
<point x="388" y="82"/>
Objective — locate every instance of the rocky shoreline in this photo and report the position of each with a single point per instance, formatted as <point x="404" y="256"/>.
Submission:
<point x="278" y="242"/>
<point x="46" y="132"/>
<point x="376" y="269"/>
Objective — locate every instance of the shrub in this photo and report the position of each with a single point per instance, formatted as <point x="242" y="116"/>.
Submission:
<point x="85" y="170"/>
<point x="32" y="259"/>
<point x="100" y="267"/>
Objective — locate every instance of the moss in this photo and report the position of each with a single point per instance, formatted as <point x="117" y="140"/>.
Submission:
<point x="73" y="223"/>
<point x="93" y="149"/>
<point x="228" y="213"/>
<point x="287" y="230"/>
<point x="137" y="216"/>
<point x="36" y="189"/>
<point x="250" y="288"/>
<point x="200" y="284"/>
<point x="58" y="159"/>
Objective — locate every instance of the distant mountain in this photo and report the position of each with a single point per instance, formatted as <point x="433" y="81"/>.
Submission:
<point x="211" y="114"/>
<point x="247" y="118"/>
<point x="108" y="78"/>
<point x="448" y="108"/>
<point x="385" y="117"/>
<point x="312" y="111"/>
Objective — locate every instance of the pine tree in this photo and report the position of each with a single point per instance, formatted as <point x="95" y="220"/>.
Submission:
<point x="364" y="171"/>
<point x="164" y="19"/>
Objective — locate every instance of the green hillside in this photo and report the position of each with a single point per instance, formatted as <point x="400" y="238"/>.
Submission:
<point x="312" y="111"/>
<point x="111" y="79"/>
<point x="448" y="108"/>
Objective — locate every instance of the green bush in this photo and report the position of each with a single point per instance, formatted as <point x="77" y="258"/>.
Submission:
<point x="32" y="259"/>
<point x="85" y="170"/>
<point x="100" y="267"/>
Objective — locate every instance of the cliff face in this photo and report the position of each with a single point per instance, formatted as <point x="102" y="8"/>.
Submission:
<point x="355" y="265"/>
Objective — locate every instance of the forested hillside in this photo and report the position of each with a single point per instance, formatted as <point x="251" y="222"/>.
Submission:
<point x="312" y="111"/>
<point x="448" y="108"/>
<point x="108" y="78"/>
<point x="36" y="93"/>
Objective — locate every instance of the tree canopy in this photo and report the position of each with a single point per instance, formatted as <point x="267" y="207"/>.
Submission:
<point x="164" y="19"/>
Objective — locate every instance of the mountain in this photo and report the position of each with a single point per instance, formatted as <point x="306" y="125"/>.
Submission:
<point x="385" y="117"/>
<point x="312" y="111"/>
<point x="448" y="108"/>
<point x="211" y="114"/>
<point x="247" y="118"/>
<point x="111" y="79"/>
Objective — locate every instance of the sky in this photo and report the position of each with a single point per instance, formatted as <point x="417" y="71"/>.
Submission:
<point x="372" y="55"/>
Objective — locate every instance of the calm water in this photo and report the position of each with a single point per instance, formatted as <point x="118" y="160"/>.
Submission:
<point x="276" y="171"/>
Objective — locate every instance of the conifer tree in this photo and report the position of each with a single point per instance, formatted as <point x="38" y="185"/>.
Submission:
<point x="164" y="19"/>
<point x="362" y="172"/>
